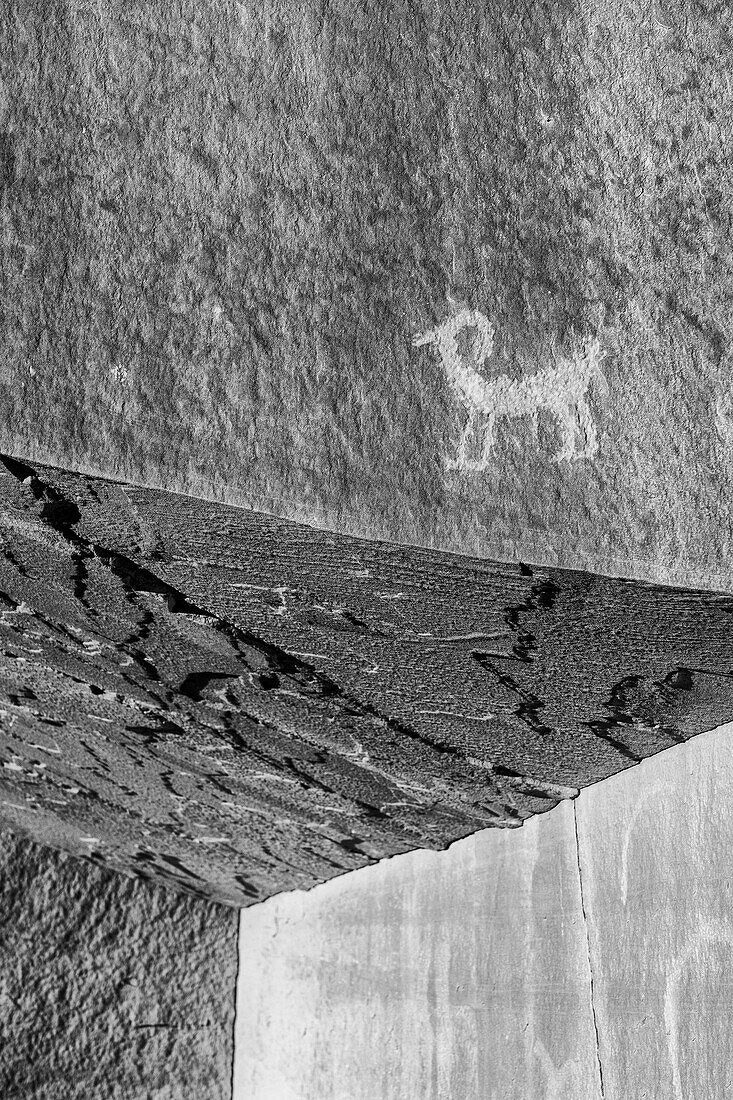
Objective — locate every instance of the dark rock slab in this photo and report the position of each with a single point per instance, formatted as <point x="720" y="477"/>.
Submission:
<point x="255" y="252"/>
<point x="236" y="705"/>
<point x="110" y="988"/>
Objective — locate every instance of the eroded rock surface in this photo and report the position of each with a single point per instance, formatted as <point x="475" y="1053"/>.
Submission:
<point x="237" y="705"/>
<point x="110" y="989"/>
<point x="224" y="226"/>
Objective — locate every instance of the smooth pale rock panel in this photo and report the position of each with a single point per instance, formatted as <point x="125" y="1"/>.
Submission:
<point x="448" y="274"/>
<point x="657" y="868"/>
<point x="460" y="974"/>
<point x="587" y="954"/>
<point x="110" y="989"/>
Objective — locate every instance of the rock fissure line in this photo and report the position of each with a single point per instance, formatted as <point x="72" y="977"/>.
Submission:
<point x="303" y="672"/>
<point x="543" y="596"/>
<point x="222" y="735"/>
<point x="588" y="950"/>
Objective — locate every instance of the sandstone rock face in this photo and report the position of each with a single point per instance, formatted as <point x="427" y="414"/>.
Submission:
<point x="110" y="989"/>
<point x="255" y="254"/>
<point x="237" y="705"/>
<point x="585" y="957"/>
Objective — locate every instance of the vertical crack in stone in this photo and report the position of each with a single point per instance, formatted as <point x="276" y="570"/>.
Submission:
<point x="587" y="944"/>
<point x="237" y="969"/>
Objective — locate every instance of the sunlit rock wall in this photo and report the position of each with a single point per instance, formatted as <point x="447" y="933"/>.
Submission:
<point x="253" y="251"/>
<point x="585" y="956"/>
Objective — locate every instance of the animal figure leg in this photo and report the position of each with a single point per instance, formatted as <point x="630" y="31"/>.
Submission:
<point x="487" y="446"/>
<point x="475" y="444"/>
<point x="460" y="455"/>
<point x="567" y="421"/>
<point x="590" y="432"/>
<point x="580" y="435"/>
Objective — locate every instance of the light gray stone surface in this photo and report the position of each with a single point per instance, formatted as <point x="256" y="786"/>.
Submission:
<point x="110" y="989"/>
<point x="656" y="850"/>
<point x="239" y="240"/>
<point x="586" y="955"/>
<point x="461" y="974"/>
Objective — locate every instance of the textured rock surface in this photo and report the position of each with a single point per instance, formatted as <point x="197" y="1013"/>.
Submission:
<point x="110" y="989"/>
<point x="224" y="227"/>
<point x="587" y="957"/>
<point x="238" y="705"/>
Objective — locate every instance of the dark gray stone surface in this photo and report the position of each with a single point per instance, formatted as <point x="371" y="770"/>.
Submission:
<point x="238" y="705"/>
<point x="225" y="224"/>
<point x="110" y="989"/>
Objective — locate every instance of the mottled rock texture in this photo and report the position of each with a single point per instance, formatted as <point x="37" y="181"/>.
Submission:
<point x="236" y="705"/>
<point x="110" y="989"/>
<point x="225" y="223"/>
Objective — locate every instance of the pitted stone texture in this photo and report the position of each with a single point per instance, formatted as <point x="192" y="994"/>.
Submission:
<point x="110" y="989"/>
<point x="224" y="225"/>
<point x="238" y="705"/>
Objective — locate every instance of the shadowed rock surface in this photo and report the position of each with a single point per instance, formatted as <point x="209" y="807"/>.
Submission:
<point x="238" y="705"/>
<point x="224" y="228"/>
<point x="111" y="989"/>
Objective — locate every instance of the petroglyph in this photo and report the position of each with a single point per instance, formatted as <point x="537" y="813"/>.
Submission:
<point x="724" y="418"/>
<point x="560" y="389"/>
<point x="4" y="100"/>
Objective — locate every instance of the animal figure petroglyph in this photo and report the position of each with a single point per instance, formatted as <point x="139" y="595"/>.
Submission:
<point x="560" y="389"/>
<point x="724" y="418"/>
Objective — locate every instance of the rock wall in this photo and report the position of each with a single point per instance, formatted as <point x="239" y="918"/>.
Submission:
<point x="237" y="705"/>
<point x="249" y="253"/>
<point x="110" y="989"/>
